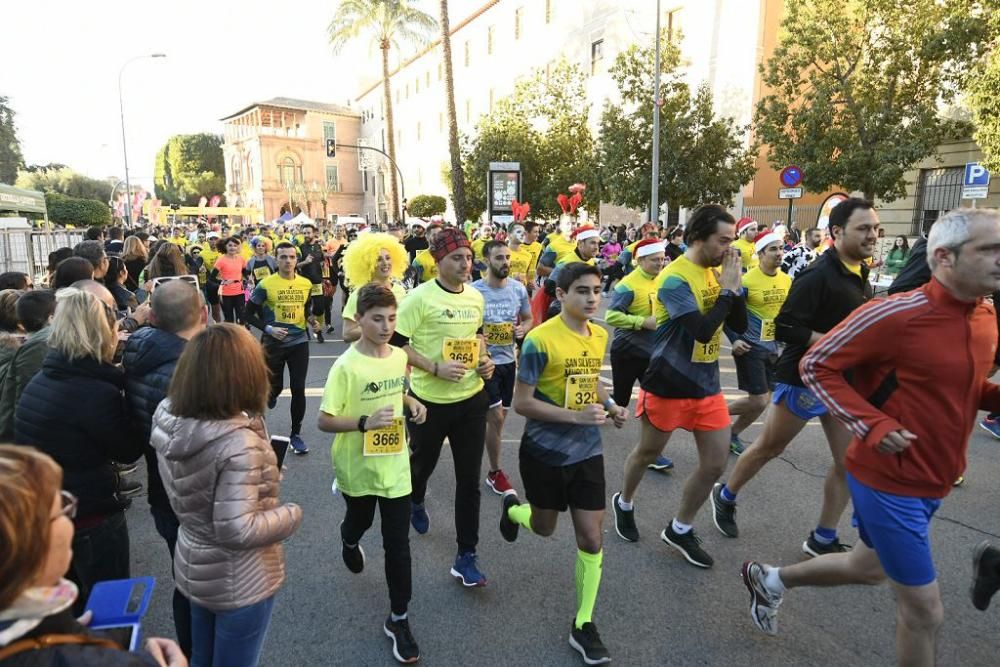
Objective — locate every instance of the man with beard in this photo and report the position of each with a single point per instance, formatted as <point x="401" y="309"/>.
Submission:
<point x="311" y="266"/>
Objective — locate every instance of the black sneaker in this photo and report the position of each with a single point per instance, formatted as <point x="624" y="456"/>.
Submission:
<point x="404" y="646"/>
<point x="319" y="336"/>
<point x="588" y="643"/>
<point x="688" y="544"/>
<point x="985" y="574"/>
<point x="125" y="468"/>
<point x="507" y="526"/>
<point x="812" y="547"/>
<point x="724" y="513"/>
<point x="329" y="329"/>
<point x="624" y="521"/>
<point x="128" y="488"/>
<point x="272" y="401"/>
<point x="354" y="557"/>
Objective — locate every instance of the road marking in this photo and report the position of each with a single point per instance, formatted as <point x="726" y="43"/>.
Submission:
<point x="320" y="356"/>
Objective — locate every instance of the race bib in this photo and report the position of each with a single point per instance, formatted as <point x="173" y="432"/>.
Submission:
<point x="289" y="313"/>
<point x="766" y="331"/>
<point x="500" y="333"/>
<point x="581" y="391"/>
<point x="464" y="350"/>
<point x="316" y="290"/>
<point x="387" y="440"/>
<point x="707" y="353"/>
<point x="261" y="273"/>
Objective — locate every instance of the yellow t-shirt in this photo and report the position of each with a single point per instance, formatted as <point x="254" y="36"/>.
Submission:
<point x="179" y="241"/>
<point x="209" y="254"/>
<point x="748" y="253"/>
<point x="561" y="247"/>
<point x="428" y="267"/>
<point x="285" y="301"/>
<point x="853" y="268"/>
<point x="361" y="385"/>
<point x="246" y="251"/>
<point x="521" y="268"/>
<point x="351" y="307"/>
<point x="428" y="316"/>
<point x="477" y="250"/>
<point x="764" y="295"/>
<point x="536" y="251"/>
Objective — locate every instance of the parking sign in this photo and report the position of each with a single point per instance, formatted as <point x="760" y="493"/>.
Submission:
<point x="976" y="182"/>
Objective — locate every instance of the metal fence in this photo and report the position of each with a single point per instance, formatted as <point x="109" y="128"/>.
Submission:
<point x="803" y="217"/>
<point x="28" y="251"/>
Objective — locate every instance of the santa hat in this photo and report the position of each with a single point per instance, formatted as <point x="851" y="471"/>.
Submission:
<point x="743" y="223"/>
<point x="585" y="232"/>
<point x="649" y="247"/>
<point x="765" y="239"/>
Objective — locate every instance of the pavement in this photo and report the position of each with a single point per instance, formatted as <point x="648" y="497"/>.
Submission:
<point x="653" y="607"/>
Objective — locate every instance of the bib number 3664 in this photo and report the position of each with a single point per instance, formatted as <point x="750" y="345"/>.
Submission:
<point x="463" y="350"/>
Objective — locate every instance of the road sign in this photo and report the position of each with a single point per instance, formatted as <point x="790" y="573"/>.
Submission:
<point x="791" y="177"/>
<point x="976" y="182"/>
<point x="789" y="193"/>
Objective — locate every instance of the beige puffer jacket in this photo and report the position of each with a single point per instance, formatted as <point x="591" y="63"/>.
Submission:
<point x="222" y="480"/>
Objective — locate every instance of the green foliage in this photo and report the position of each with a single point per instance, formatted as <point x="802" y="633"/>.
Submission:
<point x="984" y="100"/>
<point x="63" y="180"/>
<point x="424" y="206"/>
<point x="65" y="210"/>
<point x="10" y="148"/>
<point x="188" y="167"/>
<point x="858" y="84"/>
<point x="702" y="158"/>
<point x="388" y="23"/>
<point x="542" y="125"/>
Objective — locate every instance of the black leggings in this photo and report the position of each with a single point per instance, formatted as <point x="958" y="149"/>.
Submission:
<point x="296" y="358"/>
<point x="464" y="424"/>
<point x="625" y="370"/>
<point x="395" y="540"/>
<point x="233" y="307"/>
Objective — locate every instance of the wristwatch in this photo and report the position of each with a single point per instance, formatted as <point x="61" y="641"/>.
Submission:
<point x="362" y="422"/>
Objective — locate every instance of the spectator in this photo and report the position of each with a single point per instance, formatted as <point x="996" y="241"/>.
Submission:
<point x="136" y="258"/>
<point x="36" y="531"/>
<point x="95" y="233"/>
<point x="114" y="280"/>
<point x="15" y="280"/>
<point x="55" y="257"/>
<point x="93" y="252"/>
<point x="72" y="270"/>
<point x="74" y="411"/>
<point x="894" y="261"/>
<point x="115" y="243"/>
<point x="222" y="478"/>
<point x="34" y="313"/>
<point x="151" y="354"/>
<point x="9" y="344"/>
<point x="168" y="261"/>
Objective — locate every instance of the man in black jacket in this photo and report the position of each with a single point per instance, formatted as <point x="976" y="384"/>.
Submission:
<point x="151" y="354"/>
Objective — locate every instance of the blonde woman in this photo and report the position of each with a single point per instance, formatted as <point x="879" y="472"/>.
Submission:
<point x="371" y="258"/>
<point x="136" y="257"/>
<point x="73" y="411"/>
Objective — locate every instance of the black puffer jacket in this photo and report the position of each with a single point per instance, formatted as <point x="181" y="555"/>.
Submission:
<point x="150" y="357"/>
<point x="74" y="411"/>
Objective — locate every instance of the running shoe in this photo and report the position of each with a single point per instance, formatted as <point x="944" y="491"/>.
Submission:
<point x="985" y="574"/>
<point x="298" y="444"/>
<point x="354" y="557"/>
<point x="960" y="481"/>
<point x="813" y="547"/>
<point x="329" y="329"/>
<point x="319" y="336"/>
<point x="662" y="463"/>
<point x="508" y="528"/>
<point x="466" y="570"/>
<point x="688" y="544"/>
<point x="272" y="401"/>
<point x="588" y="643"/>
<point x="991" y="426"/>
<point x="419" y="519"/>
<point x="125" y="468"/>
<point x="498" y="482"/>
<point x="624" y="521"/>
<point x="763" y="605"/>
<point x="724" y="513"/>
<point x="736" y="445"/>
<point x="128" y="488"/>
<point x="404" y="646"/>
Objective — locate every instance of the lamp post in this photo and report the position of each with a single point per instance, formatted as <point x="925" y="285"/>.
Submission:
<point x="121" y="110"/>
<point x="654" y="208"/>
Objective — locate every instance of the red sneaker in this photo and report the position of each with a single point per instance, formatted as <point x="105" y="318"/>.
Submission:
<point x="498" y="482"/>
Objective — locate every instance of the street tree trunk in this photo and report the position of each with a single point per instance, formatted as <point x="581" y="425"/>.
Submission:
<point x="457" y="175"/>
<point x="390" y="130"/>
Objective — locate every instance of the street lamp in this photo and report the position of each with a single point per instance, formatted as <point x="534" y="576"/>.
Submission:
<point x="121" y="110"/>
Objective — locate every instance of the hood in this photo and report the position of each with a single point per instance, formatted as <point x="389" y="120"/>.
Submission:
<point x="149" y="348"/>
<point x="178" y="438"/>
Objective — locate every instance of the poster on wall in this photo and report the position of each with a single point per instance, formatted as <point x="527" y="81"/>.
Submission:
<point x="503" y="188"/>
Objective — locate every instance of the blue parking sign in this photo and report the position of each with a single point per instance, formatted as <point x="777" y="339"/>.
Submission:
<point x="975" y="174"/>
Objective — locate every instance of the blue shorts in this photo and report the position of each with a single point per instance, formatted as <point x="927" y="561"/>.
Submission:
<point x="896" y="527"/>
<point x="800" y="401"/>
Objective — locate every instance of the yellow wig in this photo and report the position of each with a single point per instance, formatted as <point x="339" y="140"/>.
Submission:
<point x="362" y="253"/>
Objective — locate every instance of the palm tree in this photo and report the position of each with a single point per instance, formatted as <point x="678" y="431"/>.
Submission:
<point x="457" y="175"/>
<point x="389" y="23"/>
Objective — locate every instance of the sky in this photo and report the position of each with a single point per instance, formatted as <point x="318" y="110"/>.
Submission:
<point x="61" y="60"/>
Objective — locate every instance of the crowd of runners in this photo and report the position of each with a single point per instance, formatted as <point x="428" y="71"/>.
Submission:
<point x="142" y="346"/>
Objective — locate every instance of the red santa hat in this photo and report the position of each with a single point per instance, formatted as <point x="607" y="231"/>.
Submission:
<point x="764" y="239"/>
<point x="743" y="223"/>
<point x="649" y="247"/>
<point x="585" y="232"/>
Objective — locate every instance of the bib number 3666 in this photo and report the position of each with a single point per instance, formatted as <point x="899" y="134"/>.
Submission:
<point x="387" y="440"/>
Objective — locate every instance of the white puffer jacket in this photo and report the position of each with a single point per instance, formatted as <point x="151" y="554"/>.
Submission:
<point x="222" y="479"/>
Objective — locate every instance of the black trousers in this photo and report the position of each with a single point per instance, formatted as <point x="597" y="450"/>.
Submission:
<point x="100" y="553"/>
<point x="625" y="370"/>
<point x="167" y="526"/>
<point x="464" y="424"/>
<point x="233" y="307"/>
<point x="395" y="514"/>
<point x="296" y="358"/>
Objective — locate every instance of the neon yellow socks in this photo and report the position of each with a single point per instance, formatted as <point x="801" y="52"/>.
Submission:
<point x="588" y="580"/>
<point x="521" y="515"/>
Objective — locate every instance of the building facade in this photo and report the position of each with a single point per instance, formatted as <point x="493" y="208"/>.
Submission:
<point x="276" y="158"/>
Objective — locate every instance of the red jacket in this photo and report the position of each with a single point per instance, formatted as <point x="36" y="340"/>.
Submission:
<point x="920" y="361"/>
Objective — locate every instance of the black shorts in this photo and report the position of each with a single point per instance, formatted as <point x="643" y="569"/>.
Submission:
<point x="500" y="387"/>
<point x="577" y="485"/>
<point x="755" y="372"/>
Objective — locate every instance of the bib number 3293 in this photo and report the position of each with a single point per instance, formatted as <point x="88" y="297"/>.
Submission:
<point x="581" y="391"/>
<point x="707" y="353"/>
<point x="463" y="350"/>
<point x="387" y="440"/>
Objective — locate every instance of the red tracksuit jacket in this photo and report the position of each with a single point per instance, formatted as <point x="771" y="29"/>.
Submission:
<point x="920" y="361"/>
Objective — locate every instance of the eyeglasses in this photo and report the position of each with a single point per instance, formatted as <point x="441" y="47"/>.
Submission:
<point x="69" y="504"/>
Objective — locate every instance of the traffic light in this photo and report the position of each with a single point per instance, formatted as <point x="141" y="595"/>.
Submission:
<point x="331" y="148"/>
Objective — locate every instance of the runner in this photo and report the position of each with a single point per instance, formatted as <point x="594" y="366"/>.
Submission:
<point x="681" y="387"/>
<point x="631" y="314"/>
<point x="819" y="299"/>
<point x="625" y="259"/>
<point x="378" y="258"/>
<point x="423" y="263"/>
<point x="262" y="264"/>
<point x="544" y="303"/>
<point x="910" y="435"/>
<point x="482" y="238"/>
<point x="746" y="230"/>
<point x="756" y="351"/>
<point x="279" y="306"/>
<point x="560" y="394"/>
<point x="532" y="245"/>
<point x="311" y="266"/>
<point x="229" y="271"/>
<point x="521" y="268"/>
<point x="439" y="326"/>
<point x="506" y="318"/>
<point x="803" y="254"/>
<point x="365" y="404"/>
<point x="557" y="246"/>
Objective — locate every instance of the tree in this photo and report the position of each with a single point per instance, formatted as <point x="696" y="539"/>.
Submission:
<point x="10" y="148"/>
<point x="62" y="180"/>
<point x="454" y="150"/>
<point x="985" y="102"/>
<point x="188" y="167"/>
<point x="74" y="211"/>
<point x="389" y="23"/>
<point x="702" y="158"/>
<point x="858" y="85"/>
<point x="424" y="206"/>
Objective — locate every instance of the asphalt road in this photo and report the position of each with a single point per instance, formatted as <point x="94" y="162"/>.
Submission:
<point x="653" y="607"/>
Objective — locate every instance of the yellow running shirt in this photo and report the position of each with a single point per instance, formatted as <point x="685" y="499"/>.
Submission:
<point x="748" y="253"/>
<point x="351" y="307"/>
<point x="521" y="268"/>
<point x="764" y="295"/>
<point x="425" y="266"/>
<point x="561" y="247"/>
<point x="285" y="304"/>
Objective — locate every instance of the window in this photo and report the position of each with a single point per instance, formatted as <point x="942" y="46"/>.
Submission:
<point x="364" y="179"/>
<point x="468" y="111"/>
<point x="596" y="55"/>
<point x="440" y="122"/>
<point x="399" y="137"/>
<point x="489" y="41"/>
<point x="329" y="131"/>
<point x="419" y="128"/>
<point x="406" y="92"/>
<point x="491" y="100"/>
<point x="548" y="11"/>
<point x="332" y="178"/>
<point x="440" y="71"/>
<point x="673" y="25"/>
<point x="416" y="86"/>
<point x="518" y="15"/>
<point x="290" y="172"/>
<point x="938" y="191"/>
<point x="397" y="96"/>
<point x="468" y="53"/>
<point x="427" y="79"/>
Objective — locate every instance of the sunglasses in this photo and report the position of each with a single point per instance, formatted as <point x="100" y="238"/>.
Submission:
<point x="68" y="507"/>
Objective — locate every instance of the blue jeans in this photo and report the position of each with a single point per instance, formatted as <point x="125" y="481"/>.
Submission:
<point x="232" y="638"/>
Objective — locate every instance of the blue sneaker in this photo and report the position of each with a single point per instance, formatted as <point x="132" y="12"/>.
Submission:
<point x="736" y="445"/>
<point x="298" y="444"/>
<point x="991" y="426"/>
<point x="466" y="572"/>
<point x="662" y="463"/>
<point x="419" y="519"/>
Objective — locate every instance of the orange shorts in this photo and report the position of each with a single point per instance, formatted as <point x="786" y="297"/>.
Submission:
<point x="691" y="414"/>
